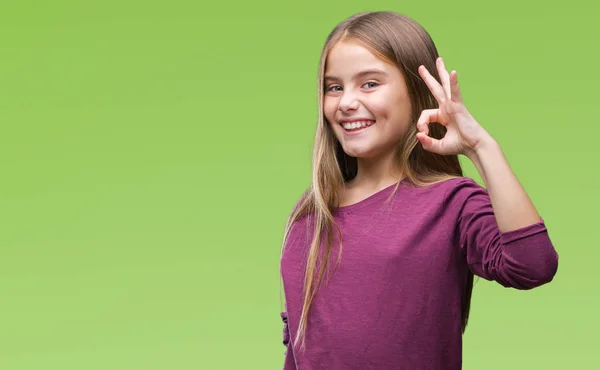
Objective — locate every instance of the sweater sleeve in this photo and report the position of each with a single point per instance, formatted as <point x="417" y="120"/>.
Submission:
<point x="523" y="258"/>
<point x="289" y="362"/>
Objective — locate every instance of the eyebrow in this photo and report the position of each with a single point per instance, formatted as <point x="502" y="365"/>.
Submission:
<point x="358" y="75"/>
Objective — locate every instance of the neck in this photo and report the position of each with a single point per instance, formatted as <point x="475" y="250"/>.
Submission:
<point x="376" y="173"/>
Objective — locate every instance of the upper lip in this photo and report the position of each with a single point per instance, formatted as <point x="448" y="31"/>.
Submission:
<point x="350" y="120"/>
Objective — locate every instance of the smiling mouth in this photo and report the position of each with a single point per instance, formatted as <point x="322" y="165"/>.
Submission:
<point x="357" y="125"/>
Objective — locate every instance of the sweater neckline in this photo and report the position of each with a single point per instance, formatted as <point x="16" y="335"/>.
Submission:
<point x="375" y="197"/>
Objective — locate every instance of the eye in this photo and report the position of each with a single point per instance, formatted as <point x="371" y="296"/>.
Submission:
<point x="371" y="84"/>
<point x="333" y="88"/>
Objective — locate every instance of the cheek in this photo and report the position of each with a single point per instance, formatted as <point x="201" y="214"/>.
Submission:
<point x="395" y="110"/>
<point x="329" y="109"/>
<point x="383" y="111"/>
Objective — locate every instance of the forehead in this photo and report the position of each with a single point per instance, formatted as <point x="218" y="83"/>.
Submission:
<point x="350" y="57"/>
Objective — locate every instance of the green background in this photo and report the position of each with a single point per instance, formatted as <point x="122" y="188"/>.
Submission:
<point x="151" y="152"/>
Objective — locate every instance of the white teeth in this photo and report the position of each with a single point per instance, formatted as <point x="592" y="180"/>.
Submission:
<point x="354" y="125"/>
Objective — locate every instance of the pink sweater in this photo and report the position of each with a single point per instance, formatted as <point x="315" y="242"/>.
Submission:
<point x="394" y="302"/>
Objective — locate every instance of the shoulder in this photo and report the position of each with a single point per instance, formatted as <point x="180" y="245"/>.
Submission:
<point x="300" y="209"/>
<point x="300" y="201"/>
<point x="456" y="192"/>
<point x="298" y="227"/>
<point x="454" y="188"/>
<point x="466" y="196"/>
<point x="462" y="187"/>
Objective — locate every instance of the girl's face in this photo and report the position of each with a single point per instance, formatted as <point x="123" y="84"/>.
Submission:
<point x="366" y="101"/>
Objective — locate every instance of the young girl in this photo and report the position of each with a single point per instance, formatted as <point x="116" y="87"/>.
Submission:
<point x="388" y="187"/>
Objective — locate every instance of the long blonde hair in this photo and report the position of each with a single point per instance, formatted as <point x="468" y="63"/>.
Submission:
<point x="401" y="41"/>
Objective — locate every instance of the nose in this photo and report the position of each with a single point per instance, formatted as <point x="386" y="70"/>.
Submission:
<point x="348" y="102"/>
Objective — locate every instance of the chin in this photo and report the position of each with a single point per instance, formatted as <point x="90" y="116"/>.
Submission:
<point x="357" y="152"/>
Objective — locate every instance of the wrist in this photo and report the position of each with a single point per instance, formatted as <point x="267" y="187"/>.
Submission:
<point x="485" y="145"/>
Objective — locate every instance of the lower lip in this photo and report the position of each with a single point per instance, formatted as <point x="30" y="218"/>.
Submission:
<point x="356" y="131"/>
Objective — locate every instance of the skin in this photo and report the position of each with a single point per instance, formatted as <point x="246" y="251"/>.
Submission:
<point x="384" y="98"/>
<point x="512" y="206"/>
